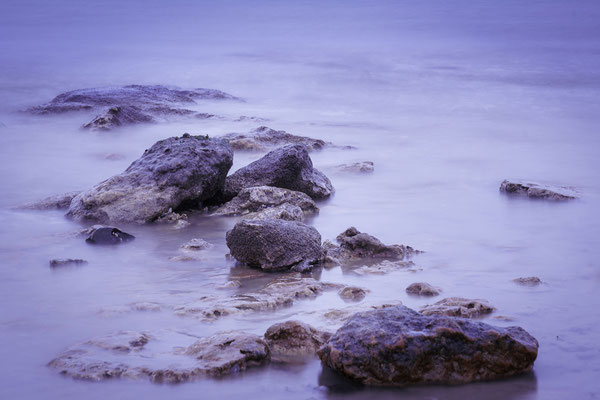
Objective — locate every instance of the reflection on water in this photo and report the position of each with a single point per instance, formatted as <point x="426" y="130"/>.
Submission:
<point x="446" y="99"/>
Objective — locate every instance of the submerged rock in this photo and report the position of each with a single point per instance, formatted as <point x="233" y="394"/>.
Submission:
<point x="537" y="191"/>
<point x="61" y="262"/>
<point x="385" y="267"/>
<point x="196" y="245"/>
<point x="58" y="202"/>
<point x="288" y="167"/>
<point x="422" y="289"/>
<point x="293" y="340"/>
<point x="273" y="244"/>
<point x="363" y="167"/>
<point x="117" y="116"/>
<point x="397" y="346"/>
<point x="174" y="172"/>
<point x="528" y="281"/>
<point x="166" y="356"/>
<point x="99" y="234"/>
<point x="254" y="199"/>
<point x="459" y="307"/>
<point x="263" y="138"/>
<point x="352" y="293"/>
<point x="356" y="245"/>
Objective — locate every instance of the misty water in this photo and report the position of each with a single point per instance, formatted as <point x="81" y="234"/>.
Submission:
<point x="446" y="98"/>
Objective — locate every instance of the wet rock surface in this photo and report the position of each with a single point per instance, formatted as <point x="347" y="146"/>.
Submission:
<point x="288" y="167"/>
<point x="253" y="199"/>
<point x="385" y="267"/>
<point x="57" y="202"/>
<point x="173" y="173"/>
<point x="294" y="340"/>
<point x="459" y="307"/>
<point x="397" y="346"/>
<point x="265" y="138"/>
<point x="107" y="235"/>
<point x="196" y="244"/>
<point x="528" y="281"/>
<point x="362" y="167"/>
<point x="352" y="293"/>
<point x="537" y="191"/>
<point x="273" y="244"/>
<point x="286" y="211"/>
<point x="422" y="289"/>
<point x="130" y="354"/>
<point x="62" y="262"/>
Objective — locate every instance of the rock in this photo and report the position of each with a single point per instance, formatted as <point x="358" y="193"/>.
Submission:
<point x="264" y="138"/>
<point x="352" y="293"/>
<point x="287" y="167"/>
<point x="196" y="245"/>
<point x="286" y="211"/>
<point x="528" y="281"/>
<point x="117" y="116"/>
<point x="166" y="356"/>
<point x="459" y="307"/>
<point x="422" y="289"/>
<point x="386" y="267"/>
<point x="273" y="244"/>
<point x="61" y="262"/>
<point x="58" y="202"/>
<point x="108" y="235"/>
<point x="254" y="199"/>
<point x="356" y="245"/>
<point x="173" y="173"/>
<point x="230" y="285"/>
<point x="363" y="167"/>
<point x="171" y="217"/>
<point x="537" y="191"/>
<point x="244" y="118"/>
<point x="293" y="340"/>
<point x="397" y="346"/>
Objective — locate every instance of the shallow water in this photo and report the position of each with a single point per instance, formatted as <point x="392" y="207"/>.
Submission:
<point x="447" y="99"/>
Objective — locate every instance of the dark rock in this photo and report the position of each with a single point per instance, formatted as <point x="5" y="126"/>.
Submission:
<point x="352" y="293"/>
<point x="117" y="116"/>
<point x="108" y="235"/>
<point x="459" y="307"/>
<point x="528" y="281"/>
<point x="264" y="138"/>
<point x="363" y="167"/>
<point x="293" y="340"/>
<point x="58" y="202"/>
<point x="422" y="289"/>
<point x="274" y="244"/>
<point x="397" y="346"/>
<point x="61" y="262"/>
<point x="536" y="191"/>
<point x="288" y="167"/>
<point x="173" y="173"/>
<point x="254" y="199"/>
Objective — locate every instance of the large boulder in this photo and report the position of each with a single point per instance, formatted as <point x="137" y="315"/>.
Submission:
<point x="396" y="346"/>
<point x="274" y="244"/>
<point x="173" y="173"/>
<point x="537" y="191"/>
<point x="288" y="167"/>
<point x="253" y="199"/>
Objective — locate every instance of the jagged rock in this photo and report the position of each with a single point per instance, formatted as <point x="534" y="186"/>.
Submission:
<point x="528" y="281"/>
<point x="107" y="235"/>
<point x="422" y="289"/>
<point x="171" y="217"/>
<point x="117" y="116"/>
<point x="285" y="211"/>
<point x="173" y="173"/>
<point x="385" y="267"/>
<point x="288" y="167"/>
<point x="135" y="355"/>
<point x="363" y="167"/>
<point x="58" y="202"/>
<point x="293" y="340"/>
<point x="61" y="262"/>
<point x="356" y="245"/>
<point x="264" y="138"/>
<point x="459" y="307"/>
<point x="254" y="199"/>
<point x="273" y="244"/>
<point x="352" y="293"/>
<point x="196" y="245"/>
<point x="537" y="191"/>
<point x="397" y="346"/>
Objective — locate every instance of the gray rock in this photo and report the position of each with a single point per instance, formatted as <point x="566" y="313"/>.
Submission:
<point x="58" y="202"/>
<point x="61" y="262"/>
<point x="107" y="235"/>
<point x="352" y="293"/>
<point x="263" y="138"/>
<point x="284" y="211"/>
<point x="254" y="199"/>
<point x="528" y="281"/>
<point x="385" y="267"/>
<point x="117" y="116"/>
<point x="397" y="346"/>
<point x="362" y="167"/>
<point x="196" y="245"/>
<point x="537" y="191"/>
<point x="422" y="289"/>
<point x="173" y="173"/>
<point x="165" y="356"/>
<point x="288" y="167"/>
<point x="294" y="340"/>
<point x="459" y="307"/>
<point x="273" y="244"/>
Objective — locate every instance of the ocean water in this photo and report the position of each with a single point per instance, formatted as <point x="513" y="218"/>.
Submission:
<point x="446" y="98"/>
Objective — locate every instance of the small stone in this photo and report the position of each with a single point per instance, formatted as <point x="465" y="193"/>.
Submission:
<point x="352" y="293"/>
<point x="528" y="281"/>
<point x="294" y="340"/>
<point x="196" y="245"/>
<point x="363" y="167"/>
<point x="459" y="307"/>
<point x="108" y="235"/>
<point x="422" y="289"/>
<point x="61" y="262"/>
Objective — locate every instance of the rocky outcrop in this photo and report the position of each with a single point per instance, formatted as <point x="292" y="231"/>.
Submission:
<point x="62" y="262"/>
<point x="422" y="289"/>
<point x="58" y="202"/>
<point x="537" y="191"/>
<point x="130" y="354"/>
<point x="357" y="245"/>
<point x="253" y="199"/>
<point x="362" y="167"/>
<point x="294" y="340"/>
<point x="273" y="244"/>
<point x="528" y="281"/>
<point x="288" y="167"/>
<point x="352" y="293"/>
<point x="397" y="346"/>
<point x="99" y="234"/>
<point x="117" y="116"/>
<point x="264" y="138"/>
<point x="459" y="307"/>
<point x="173" y="173"/>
